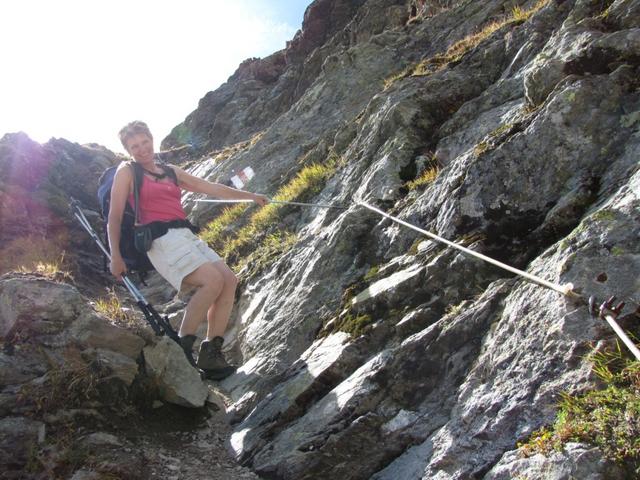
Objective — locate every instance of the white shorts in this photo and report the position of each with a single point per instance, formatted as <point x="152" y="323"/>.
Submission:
<point x="178" y="253"/>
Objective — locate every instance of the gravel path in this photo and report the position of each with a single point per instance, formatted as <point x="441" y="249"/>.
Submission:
<point x="181" y="446"/>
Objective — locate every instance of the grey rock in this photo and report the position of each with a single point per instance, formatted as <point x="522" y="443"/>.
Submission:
<point x="43" y="178"/>
<point x="574" y="461"/>
<point x="85" y="474"/>
<point x="121" y="366"/>
<point x="19" y="438"/>
<point x="40" y="306"/>
<point x="178" y="381"/>
<point x="8" y="402"/>
<point x="535" y="131"/>
<point x="109" y="455"/>
<point x="23" y="365"/>
<point x="389" y="289"/>
<point x="93" y="331"/>
<point x="415" y="321"/>
<point x="320" y="368"/>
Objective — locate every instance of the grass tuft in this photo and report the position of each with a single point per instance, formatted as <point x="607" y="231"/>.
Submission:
<point x="234" y="245"/>
<point x="34" y="254"/>
<point x="427" y="177"/>
<point x="111" y="307"/>
<point x="214" y="232"/>
<point x="69" y="384"/>
<point x="273" y="246"/>
<point x="459" y="49"/>
<point x="608" y="418"/>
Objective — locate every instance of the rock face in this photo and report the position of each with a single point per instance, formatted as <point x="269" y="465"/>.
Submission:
<point x="37" y="183"/>
<point x="261" y="90"/>
<point x="528" y="114"/>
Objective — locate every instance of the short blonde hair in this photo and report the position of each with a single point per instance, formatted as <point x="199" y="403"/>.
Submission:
<point x="131" y="129"/>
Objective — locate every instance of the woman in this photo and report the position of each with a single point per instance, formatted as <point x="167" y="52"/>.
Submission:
<point x="179" y="256"/>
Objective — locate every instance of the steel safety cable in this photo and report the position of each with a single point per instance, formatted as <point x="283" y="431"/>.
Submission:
<point x="566" y="289"/>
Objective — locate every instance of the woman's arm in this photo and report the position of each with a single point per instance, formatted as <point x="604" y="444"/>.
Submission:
<point x="120" y="189"/>
<point x="195" y="184"/>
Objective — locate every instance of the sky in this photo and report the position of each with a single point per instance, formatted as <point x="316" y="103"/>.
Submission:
<point x="82" y="69"/>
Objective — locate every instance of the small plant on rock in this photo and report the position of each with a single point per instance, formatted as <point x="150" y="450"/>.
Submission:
<point x="427" y="177"/>
<point x="608" y="418"/>
<point x="68" y="384"/>
<point x="111" y="307"/>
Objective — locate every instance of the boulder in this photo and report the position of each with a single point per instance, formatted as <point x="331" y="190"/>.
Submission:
<point x="93" y="331"/>
<point x="574" y="461"/>
<point x="19" y="440"/>
<point x="177" y="380"/>
<point x="36" y="305"/>
<point x="121" y="366"/>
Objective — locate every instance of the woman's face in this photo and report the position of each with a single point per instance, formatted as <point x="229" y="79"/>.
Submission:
<point x="140" y="147"/>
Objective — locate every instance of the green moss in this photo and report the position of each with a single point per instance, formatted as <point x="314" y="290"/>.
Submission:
<point x="271" y="248"/>
<point x="356" y="325"/>
<point x="413" y="249"/>
<point x="617" y="251"/>
<point x="608" y="418"/>
<point x="604" y="215"/>
<point x="372" y="273"/>
<point x="481" y="148"/>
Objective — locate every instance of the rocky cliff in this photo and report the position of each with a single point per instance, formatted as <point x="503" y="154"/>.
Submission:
<point x="367" y="350"/>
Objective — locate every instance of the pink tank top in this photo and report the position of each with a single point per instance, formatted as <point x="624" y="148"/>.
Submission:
<point x="159" y="201"/>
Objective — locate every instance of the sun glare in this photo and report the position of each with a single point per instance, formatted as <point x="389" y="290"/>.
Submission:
<point x="80" y="70"/>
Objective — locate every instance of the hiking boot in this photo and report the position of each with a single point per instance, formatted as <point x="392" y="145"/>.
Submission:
<point x="212" y="361"/>
<point x="186" y="343"/>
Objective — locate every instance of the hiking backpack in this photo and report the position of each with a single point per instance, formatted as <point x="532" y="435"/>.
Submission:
<point x="135" y="260"/>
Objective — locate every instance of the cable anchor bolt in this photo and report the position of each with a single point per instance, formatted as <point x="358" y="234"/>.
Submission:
<point x="608" y="308"/>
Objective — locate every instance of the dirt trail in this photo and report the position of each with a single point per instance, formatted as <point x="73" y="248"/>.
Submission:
<point x="184" y="444"/>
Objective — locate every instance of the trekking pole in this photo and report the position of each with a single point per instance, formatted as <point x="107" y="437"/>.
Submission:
<point x="321" y="205"/>
<point x="610" y="312"/>
<point x="159" y="324"/>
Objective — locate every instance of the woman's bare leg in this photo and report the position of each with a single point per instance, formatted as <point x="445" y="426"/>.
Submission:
<point x="219" y="313"/>
<point x="210" y="283"/>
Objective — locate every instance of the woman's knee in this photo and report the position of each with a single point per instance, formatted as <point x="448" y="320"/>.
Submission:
<point x="228" y="276"/>
<point x="208" y="277"/>
<point x="230" y="280"/>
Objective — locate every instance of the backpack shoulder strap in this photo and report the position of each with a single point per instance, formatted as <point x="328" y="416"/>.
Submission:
<point x="138" y="175"/>
<point x="170" y="172"/>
